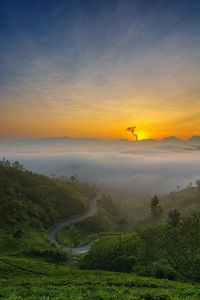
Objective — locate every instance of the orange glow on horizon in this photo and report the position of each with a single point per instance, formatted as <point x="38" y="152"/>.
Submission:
<point x="98" y="124"/>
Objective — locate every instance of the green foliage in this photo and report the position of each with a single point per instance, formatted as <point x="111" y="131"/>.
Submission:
<point x="162" y="269"/>
<point x="33" y="279"/>
<point x="16" y="165"/>
<point x="174" y="217"/>
<point x="107" y="253"/>
<point x="105" y="220"/>
<point x="73" y="236"/>
<point x="52" y="255"/>
<point x="31" y="203"/>
<point x="39" y="200"/>
<point x="158" y="251"/>
<point x="156" y="209"/>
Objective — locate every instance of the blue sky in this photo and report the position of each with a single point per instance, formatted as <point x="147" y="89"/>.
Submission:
<point x="65" y="63"/>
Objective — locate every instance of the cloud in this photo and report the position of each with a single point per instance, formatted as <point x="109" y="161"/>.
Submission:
<point x="122" y="174"/>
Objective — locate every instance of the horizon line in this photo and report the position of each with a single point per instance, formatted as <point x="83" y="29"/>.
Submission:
<point x="95" y="138"/>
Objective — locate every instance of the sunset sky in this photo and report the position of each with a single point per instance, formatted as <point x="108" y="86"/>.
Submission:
<point x="91" y="68"/>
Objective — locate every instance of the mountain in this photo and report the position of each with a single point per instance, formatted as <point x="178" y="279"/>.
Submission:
<point x="194" y="139"/>
<point x="54" y="141"/>
<point x="50" y="144"/>
<point x="171" y="139"/>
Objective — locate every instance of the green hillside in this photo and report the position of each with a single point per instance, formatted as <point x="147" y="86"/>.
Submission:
<point x="184" y="200"/>
<point x="31" y="203"/>
<point x="137" y="209"/>
<point x="162" y="251"/>
<point x="107" y="219"/>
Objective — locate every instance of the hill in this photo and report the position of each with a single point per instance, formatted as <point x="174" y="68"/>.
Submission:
<point x="169" y="250"/>
<point x="184" y="200"/>
<point x="30" y="203"/>
<point x="194" y="139"/>
<point x="138" y="212"/>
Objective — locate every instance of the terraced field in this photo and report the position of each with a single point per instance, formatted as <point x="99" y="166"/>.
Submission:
<point x="33" y="279"/>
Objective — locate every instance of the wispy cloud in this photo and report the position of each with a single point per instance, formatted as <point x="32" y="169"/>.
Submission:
<point x="127" y="60"/>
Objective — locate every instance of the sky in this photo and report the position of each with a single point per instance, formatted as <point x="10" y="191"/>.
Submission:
<point x="91" y="68"/>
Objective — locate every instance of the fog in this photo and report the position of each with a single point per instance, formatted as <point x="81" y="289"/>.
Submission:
<point x="119" y="171"/>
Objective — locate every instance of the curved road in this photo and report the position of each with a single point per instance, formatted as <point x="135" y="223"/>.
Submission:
<point x="52" y="232"/>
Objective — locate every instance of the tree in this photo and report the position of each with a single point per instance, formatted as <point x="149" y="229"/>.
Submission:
<point x="16" y="165"/>
<point x="174" y="217"/>
<point x="74" y="178"/>
<point x="198" y="183"/>
<point x="7" y="163"/>
<point x="156" y="209"/>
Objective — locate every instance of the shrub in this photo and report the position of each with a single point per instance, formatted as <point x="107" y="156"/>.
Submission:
<point x="54" y="256"/>
<point x="123" y="263"/>
<point x="162" y="269"/>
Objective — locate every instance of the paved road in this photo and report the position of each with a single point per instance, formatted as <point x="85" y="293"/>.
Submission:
<point x="52" y="232"/>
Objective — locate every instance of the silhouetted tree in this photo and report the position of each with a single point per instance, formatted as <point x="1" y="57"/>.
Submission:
<point x="174" y="217"/>
<point x="198" y="183"/>
<point x="74" y="178"/>
<point x="7" y="163"/>
<point x="156" y="209"/>
<point x="17" y="165"/>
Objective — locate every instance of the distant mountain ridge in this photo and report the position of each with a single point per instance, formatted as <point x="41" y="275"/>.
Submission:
<point x="195" y="138"/>
<point x="73" y="141"/>
<point x="68" y="138"/>
<point x="171" y="139"/>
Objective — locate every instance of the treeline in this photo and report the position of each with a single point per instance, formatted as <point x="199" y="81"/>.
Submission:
<point x="16" y="165"/>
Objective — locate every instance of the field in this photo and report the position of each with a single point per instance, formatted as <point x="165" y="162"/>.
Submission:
<point x="33" y="279"/>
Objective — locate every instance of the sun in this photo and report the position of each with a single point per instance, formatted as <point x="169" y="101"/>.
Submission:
<point x="142" y="135"/>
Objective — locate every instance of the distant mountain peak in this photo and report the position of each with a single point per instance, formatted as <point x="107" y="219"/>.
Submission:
<point x="195" y="138"/>
<point x="171" y="139"/>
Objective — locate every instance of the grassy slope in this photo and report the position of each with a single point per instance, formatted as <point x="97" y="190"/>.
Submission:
<point x="30" y="203"/>
<point x="184" y="200"/>
<point x="23" y="278"/>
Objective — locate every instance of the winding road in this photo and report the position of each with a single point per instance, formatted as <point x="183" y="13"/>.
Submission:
<point x="52" y="232"/>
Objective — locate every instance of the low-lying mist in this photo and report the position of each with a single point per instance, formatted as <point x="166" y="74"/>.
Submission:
<point x="120" y="172"/>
